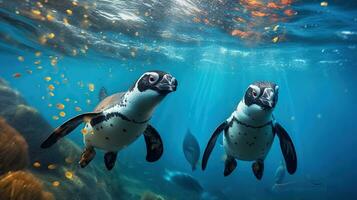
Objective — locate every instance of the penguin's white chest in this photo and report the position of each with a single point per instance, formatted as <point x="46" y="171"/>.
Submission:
<point x="245" y="142"/>
<point x="114" y="133"/>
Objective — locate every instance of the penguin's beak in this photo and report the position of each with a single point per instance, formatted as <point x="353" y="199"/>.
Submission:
<point x="167" y="84"/>
<point x="269" y="98"/>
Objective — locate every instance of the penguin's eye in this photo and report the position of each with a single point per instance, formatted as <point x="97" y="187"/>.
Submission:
<point x="153" y="78"/>
<point x="254" y="93"/>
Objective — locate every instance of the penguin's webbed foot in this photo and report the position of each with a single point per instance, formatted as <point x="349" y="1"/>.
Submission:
<point x="87" y="156"/>
<point x="258" y="169"/>
<point x="109" y="159"/>
<point x="229" y="165"/>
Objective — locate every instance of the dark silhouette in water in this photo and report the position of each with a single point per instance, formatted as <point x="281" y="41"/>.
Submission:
<point x="189" y="183"/>
<point x="280" y="173"/>
<point x="184" y="180"/>
<point x="280" y="186"/>
<point x="191" y="149"/>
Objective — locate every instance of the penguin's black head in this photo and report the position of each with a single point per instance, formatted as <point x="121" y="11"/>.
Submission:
<point x="263" y="94"/>
<point x="161" y="82"/>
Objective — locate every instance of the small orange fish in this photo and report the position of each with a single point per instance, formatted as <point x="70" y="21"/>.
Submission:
<point x="68" y="175"/>
<point x="290" y="12"/>
<point x="259" y="14"/>
<point x="47" y="78"/>
<point x="16" y="75"/>
<point x="51" y="87"/>
<point x="275" y="39"/>
<point x="36" y="12"/>
<point x="49" y="17"/>
<point x="51" y="166"/>
<point x="286" y="2"/>
<point x="65" y="21"/>
<point x="62" y="114"/>
<point x="69" y="12"/>
<point x="84" y="131"/>
<point x="54" y="62"/>
<point x="38" y="54"/>
<point x="55" y="183"/>
<point x="21" y="58"/>
<point x="68" y="160"/>
<point x="91" y="87"/>
<point x="36" y="164"/>
<point x="51" y="35"/>
<point x="60" y="106"/>
<point x="324" y="4"/>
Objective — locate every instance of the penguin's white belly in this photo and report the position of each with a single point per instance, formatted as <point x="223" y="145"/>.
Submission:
<point x="246" y="143"/>
<point x="113" y="134"/>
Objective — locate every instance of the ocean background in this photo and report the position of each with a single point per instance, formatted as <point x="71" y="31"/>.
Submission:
<point x="59" y="52"/>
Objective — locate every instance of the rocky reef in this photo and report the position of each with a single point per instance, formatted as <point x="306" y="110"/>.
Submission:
<point x="22" y="185"/>
<point x="13" y="149"/>
<point x="28" y="172"/>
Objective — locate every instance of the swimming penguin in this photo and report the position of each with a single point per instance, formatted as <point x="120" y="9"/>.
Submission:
<point x="250" y="130"/>
<point x="119" y="119"/>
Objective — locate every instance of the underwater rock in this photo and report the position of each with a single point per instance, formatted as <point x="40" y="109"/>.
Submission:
<point x="13" y="149"/>
<point x="56" y="167"/>
<point x="27" y="121"/>
<point x="22" y="185"/>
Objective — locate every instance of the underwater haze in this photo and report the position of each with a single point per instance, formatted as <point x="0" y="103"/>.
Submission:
<point x="56" y="56"/>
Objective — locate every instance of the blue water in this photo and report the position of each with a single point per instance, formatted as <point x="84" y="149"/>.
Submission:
<point x="313" y="62"/>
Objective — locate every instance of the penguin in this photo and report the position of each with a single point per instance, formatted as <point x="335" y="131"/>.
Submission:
<point x="118" y="120"/>
<point x="250" y="130"/>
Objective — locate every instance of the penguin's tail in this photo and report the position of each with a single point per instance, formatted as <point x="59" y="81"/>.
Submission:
<point x="68" y="127"/>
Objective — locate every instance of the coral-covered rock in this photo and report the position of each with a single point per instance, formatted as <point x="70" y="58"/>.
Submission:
<point x="13" y="149"/>
<point x="22" y="185"/>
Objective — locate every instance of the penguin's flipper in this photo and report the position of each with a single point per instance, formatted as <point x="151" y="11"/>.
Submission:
<point x="67" y="127"/>
<point x="154" y="145"/>
<point x="109" y="159"/>
<point x="287" y="148"/>
<point x="211" y="143"/>
<point x="229" y="165"/>
<point x="87" y="156"/>
<point x="258" y="169"/>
